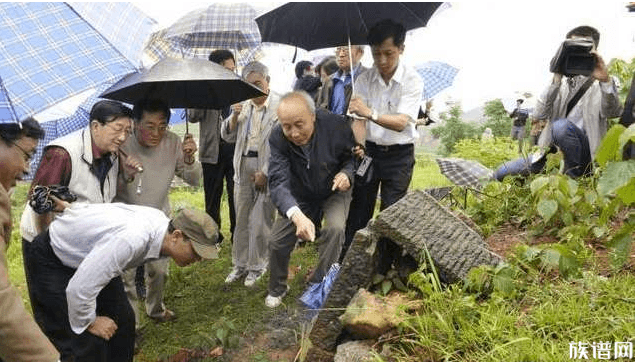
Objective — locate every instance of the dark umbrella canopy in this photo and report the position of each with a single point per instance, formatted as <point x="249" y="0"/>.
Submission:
<point x="327" y="24"/>
<point x="184" y="83"/>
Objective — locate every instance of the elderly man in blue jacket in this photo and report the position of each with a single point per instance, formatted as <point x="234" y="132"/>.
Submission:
<point x="310" y="177"/>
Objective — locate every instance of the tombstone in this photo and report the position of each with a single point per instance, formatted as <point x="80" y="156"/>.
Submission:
<point x="415" y="223"/>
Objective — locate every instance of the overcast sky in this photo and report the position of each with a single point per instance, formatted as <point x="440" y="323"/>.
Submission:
<point x="501" y="47"/>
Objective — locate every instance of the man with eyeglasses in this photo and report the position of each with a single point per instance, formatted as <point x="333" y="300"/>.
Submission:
<point x="335" y="94"/>
<point x="22" y="339"/>
<point x="88" y="162"/>
<point x="163" y="156"/>
<point x="216" y="155"/>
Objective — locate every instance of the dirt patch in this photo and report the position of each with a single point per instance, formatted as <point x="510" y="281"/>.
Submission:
<point x="503" y="241"/>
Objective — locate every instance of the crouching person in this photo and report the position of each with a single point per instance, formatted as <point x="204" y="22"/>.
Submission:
<point x="310" y="173"/>
<point x="76" y="267"/>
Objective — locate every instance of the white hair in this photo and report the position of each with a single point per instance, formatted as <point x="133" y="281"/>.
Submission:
<point x="255" y="67"/>
<point x="304" y="96"/>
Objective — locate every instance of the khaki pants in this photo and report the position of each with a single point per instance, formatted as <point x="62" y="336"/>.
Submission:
<point x="255" y="214"/>
<point x="156" y="273"/>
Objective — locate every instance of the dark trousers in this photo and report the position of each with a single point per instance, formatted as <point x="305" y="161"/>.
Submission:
<point x="47" y="279"/>
<point x="213" y="176"/>
<point x="571" y="140"/>
<point x="331" y="237"/>
<point x="391" y="172"/>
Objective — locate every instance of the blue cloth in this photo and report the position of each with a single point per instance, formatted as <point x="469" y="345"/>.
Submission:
<point x="316" y="293"/>
<point x="7" y="114"/>
<point x="571" y="140"/>
<point x="338" y="101"/>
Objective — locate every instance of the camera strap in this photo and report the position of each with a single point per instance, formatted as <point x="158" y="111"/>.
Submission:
<point x="579" y="93"/>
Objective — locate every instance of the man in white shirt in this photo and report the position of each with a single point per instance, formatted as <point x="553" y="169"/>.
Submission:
<point x="387" y="97"/>
<point x="78" y="262"/>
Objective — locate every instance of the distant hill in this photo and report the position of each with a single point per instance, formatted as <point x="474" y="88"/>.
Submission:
<point x="474" y="115"/>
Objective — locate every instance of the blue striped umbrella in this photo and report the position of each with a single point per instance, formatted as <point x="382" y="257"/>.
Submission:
<point x="436" y="76"/>
<point x="219" y="26"/>
<point x="50" y="52"/>
<point x="7" y="113"/>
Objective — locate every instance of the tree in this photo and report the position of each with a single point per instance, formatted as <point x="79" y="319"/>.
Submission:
<point x="623" y="71"/>
<point x="497" y="118"/>
<point x="453" y="129"/>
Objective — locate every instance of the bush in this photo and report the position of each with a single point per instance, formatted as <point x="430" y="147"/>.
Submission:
<point x="490" y="153"/>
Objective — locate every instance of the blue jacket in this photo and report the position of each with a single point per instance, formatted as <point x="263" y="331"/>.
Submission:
<point x="294" y="179"/>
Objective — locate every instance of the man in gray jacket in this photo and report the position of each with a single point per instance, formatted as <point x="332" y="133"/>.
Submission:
<point x="249" y="127"/>
<point x="579" y="131"/>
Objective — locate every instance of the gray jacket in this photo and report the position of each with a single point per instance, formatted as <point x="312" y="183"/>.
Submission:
<point x="209" y="121"/>
<point x="597" y="104"/>
<point x="326" y="92"/>
<point x="239" y="135"/>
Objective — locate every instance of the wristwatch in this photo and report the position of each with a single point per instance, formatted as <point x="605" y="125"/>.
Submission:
<point x="374" y="115"/>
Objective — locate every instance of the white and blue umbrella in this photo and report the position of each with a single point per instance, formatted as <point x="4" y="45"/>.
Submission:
<point x="7" y="113"/>
<point x="219" y="26"/>
<point x="436" y="76"/>
<point x="51" y="51"/>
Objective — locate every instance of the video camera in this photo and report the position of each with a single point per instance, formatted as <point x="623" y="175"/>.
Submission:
<point x="574" y="57"/>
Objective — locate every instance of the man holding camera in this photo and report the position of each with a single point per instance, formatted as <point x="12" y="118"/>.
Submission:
<point x="576" y="104"/>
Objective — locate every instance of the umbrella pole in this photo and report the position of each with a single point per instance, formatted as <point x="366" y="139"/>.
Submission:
<point x="350" y="59"/>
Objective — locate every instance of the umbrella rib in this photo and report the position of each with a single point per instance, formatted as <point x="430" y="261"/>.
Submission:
<point x="423" y="23"/>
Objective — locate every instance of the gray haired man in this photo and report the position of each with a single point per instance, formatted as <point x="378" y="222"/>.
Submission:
<point x="249" y="126"/>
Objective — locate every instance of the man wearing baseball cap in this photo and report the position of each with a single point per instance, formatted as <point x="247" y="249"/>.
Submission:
<point x="77" y="263"/>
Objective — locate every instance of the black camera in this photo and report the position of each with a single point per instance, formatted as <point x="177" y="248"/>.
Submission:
<point x="574" y="57"/>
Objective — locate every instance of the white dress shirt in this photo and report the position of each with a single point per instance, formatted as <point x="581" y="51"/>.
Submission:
<point x="402" y="95"/>
<point x="101" y="241"/>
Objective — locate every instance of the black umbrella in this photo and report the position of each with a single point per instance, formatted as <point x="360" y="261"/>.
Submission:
<point x="318" y="25"/>
<point x="184" y="83"/>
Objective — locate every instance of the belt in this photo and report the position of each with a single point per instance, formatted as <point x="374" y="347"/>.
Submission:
<point x="388" y="148"/>
<point x="251" y="154"/>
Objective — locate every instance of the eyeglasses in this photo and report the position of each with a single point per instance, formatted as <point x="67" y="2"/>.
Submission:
<point x="28" y="157"/>
<point x="341" y="49"/>
<point x="119" y="129"/>
<point x="161" y="129"/>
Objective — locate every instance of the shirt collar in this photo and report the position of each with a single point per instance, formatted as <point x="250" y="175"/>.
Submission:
<point x="339" y="75"/>
<point x="264" y="106"/>
<point x="397" y="77"/>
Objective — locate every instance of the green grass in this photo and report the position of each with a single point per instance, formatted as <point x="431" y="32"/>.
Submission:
<point x="198" y="293"/>
<point x="535" y="324"/>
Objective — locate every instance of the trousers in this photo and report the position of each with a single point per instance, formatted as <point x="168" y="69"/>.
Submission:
<point x="392" y="168"/>
<point x="331" y="238"/>
<point x="156" y="275"/>
<point x="47" y="279"/>
<point x="571" y="140"/>
<point x="255" y="214"/>
<point x="213" y="176"/>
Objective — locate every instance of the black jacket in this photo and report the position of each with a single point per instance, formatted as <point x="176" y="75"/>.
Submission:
<point x="294" y="179"/>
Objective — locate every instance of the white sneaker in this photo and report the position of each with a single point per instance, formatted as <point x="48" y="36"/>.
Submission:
<point x="253" y="277"/>
<point x="235" y="274"/>
<point x="273" y="302"/>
